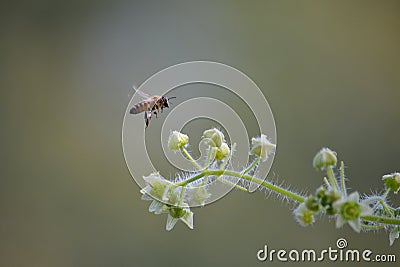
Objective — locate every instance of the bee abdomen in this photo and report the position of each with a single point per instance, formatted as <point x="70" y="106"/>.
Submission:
<point x="139" y="107"/>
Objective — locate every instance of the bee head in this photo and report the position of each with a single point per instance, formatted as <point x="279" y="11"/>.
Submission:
<point x="165" y="100"/>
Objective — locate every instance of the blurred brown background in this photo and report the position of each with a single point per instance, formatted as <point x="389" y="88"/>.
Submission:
<point x="329" y="69"/>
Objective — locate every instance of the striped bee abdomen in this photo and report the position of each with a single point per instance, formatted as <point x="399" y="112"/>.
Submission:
<point x="140" y="107"/>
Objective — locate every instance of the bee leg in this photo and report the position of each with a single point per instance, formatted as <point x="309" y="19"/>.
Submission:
<point x="147" y="118"/>
<point x="155" y="113"/>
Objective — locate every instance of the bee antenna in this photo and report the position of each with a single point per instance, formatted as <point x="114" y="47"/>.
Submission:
<point x="172" y="97"/>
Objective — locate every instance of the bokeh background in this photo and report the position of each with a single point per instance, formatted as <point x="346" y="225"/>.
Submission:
<point x="329" y="69"/>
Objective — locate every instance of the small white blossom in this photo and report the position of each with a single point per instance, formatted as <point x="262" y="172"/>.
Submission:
<point x="215" y="136"/>
<point x="179" y="213"/>
<point x="262" y="147"/>
<point x="177" y="140"/>
<point x="197" y="195"/>
<point x="303" y="215"/>
<point x="350" y="210"/>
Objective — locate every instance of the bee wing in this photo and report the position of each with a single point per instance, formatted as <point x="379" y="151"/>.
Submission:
<point x="142" y="94"/>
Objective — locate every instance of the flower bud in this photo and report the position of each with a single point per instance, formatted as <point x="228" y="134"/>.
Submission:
<point x="313" y="204"/>
<point x="177" y="140"/>
<point x="222" y="152"/>
<point x="216" y="137"/>
<point x="392" y="181"/>
<point x="325" y="158"/>
<point x="261" y="147"/>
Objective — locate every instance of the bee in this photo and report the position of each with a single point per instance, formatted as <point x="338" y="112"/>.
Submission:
<point x="150" y="105"/>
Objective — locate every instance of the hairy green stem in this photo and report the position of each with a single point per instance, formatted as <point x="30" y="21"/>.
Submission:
<point x="251" y="166"/>
<point x="232" y="184"/>
<point x="344" y="189"/>
<point x="275" y="188"/>
<point x="332" y="179"/>
<point x="379" y="219"/>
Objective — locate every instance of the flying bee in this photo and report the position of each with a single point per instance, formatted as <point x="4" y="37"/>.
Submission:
<point x="150" y="105"/>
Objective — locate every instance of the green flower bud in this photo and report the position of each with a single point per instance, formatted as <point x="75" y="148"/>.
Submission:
<point x="216" y="137"/>
<point x="392" y="181"/>
<point x="313" y="204"/>
<point x="321" y="192"/>
<point x="177" y="140"/>
<point x="222" y="152"/>
<point x="325" y="158"/>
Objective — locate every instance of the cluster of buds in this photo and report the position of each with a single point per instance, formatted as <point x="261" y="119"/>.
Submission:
<point x="216" y="141"/>
<point x="332" y="200"/>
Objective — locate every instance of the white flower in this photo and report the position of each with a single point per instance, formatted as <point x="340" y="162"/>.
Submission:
<point x="197" y="195"/>
<point x="324" y="158"/>
<point x="177" y="140"/>
<point x="215" y="136"/>
<point x="303" y="215"/>
<point x="262" y="147"/>
<point x="156" y="187"/>
<point x="166" y="198"/>
<point x="350" y="210"/>
<point x="179" y="213"/>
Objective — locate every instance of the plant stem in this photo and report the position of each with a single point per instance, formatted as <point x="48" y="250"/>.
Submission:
<point x="327" y="183"/>
<point x="251" y="166"/>
<point x="191" y="158"/>
<point x="344" y="189"/>
<point x="275" y="188"/>
<point x="278" y="190"/>
<point x="381" y="219"/>
<point x="332" y="179"/>
<point x="232" y="184"/>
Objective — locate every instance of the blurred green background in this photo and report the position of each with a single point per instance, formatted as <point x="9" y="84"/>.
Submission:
<point x="329" y="69"/>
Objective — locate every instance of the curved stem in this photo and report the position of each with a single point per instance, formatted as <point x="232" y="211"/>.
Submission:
<point x="251" y="166"/>
<point x="191" y="158"/>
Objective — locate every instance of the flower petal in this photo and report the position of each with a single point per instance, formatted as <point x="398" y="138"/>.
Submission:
<point x="155" y="206"/>
<point x="393" y="235"/>
<point x="146" y="197"/>
<point x="171" y="221"/>
<point x="188" y="219"/>
<point x="356" y="225"/>
<point x="340" y="221"/>
<point x="354" y="197"/>
<point x="365" y="209"/>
